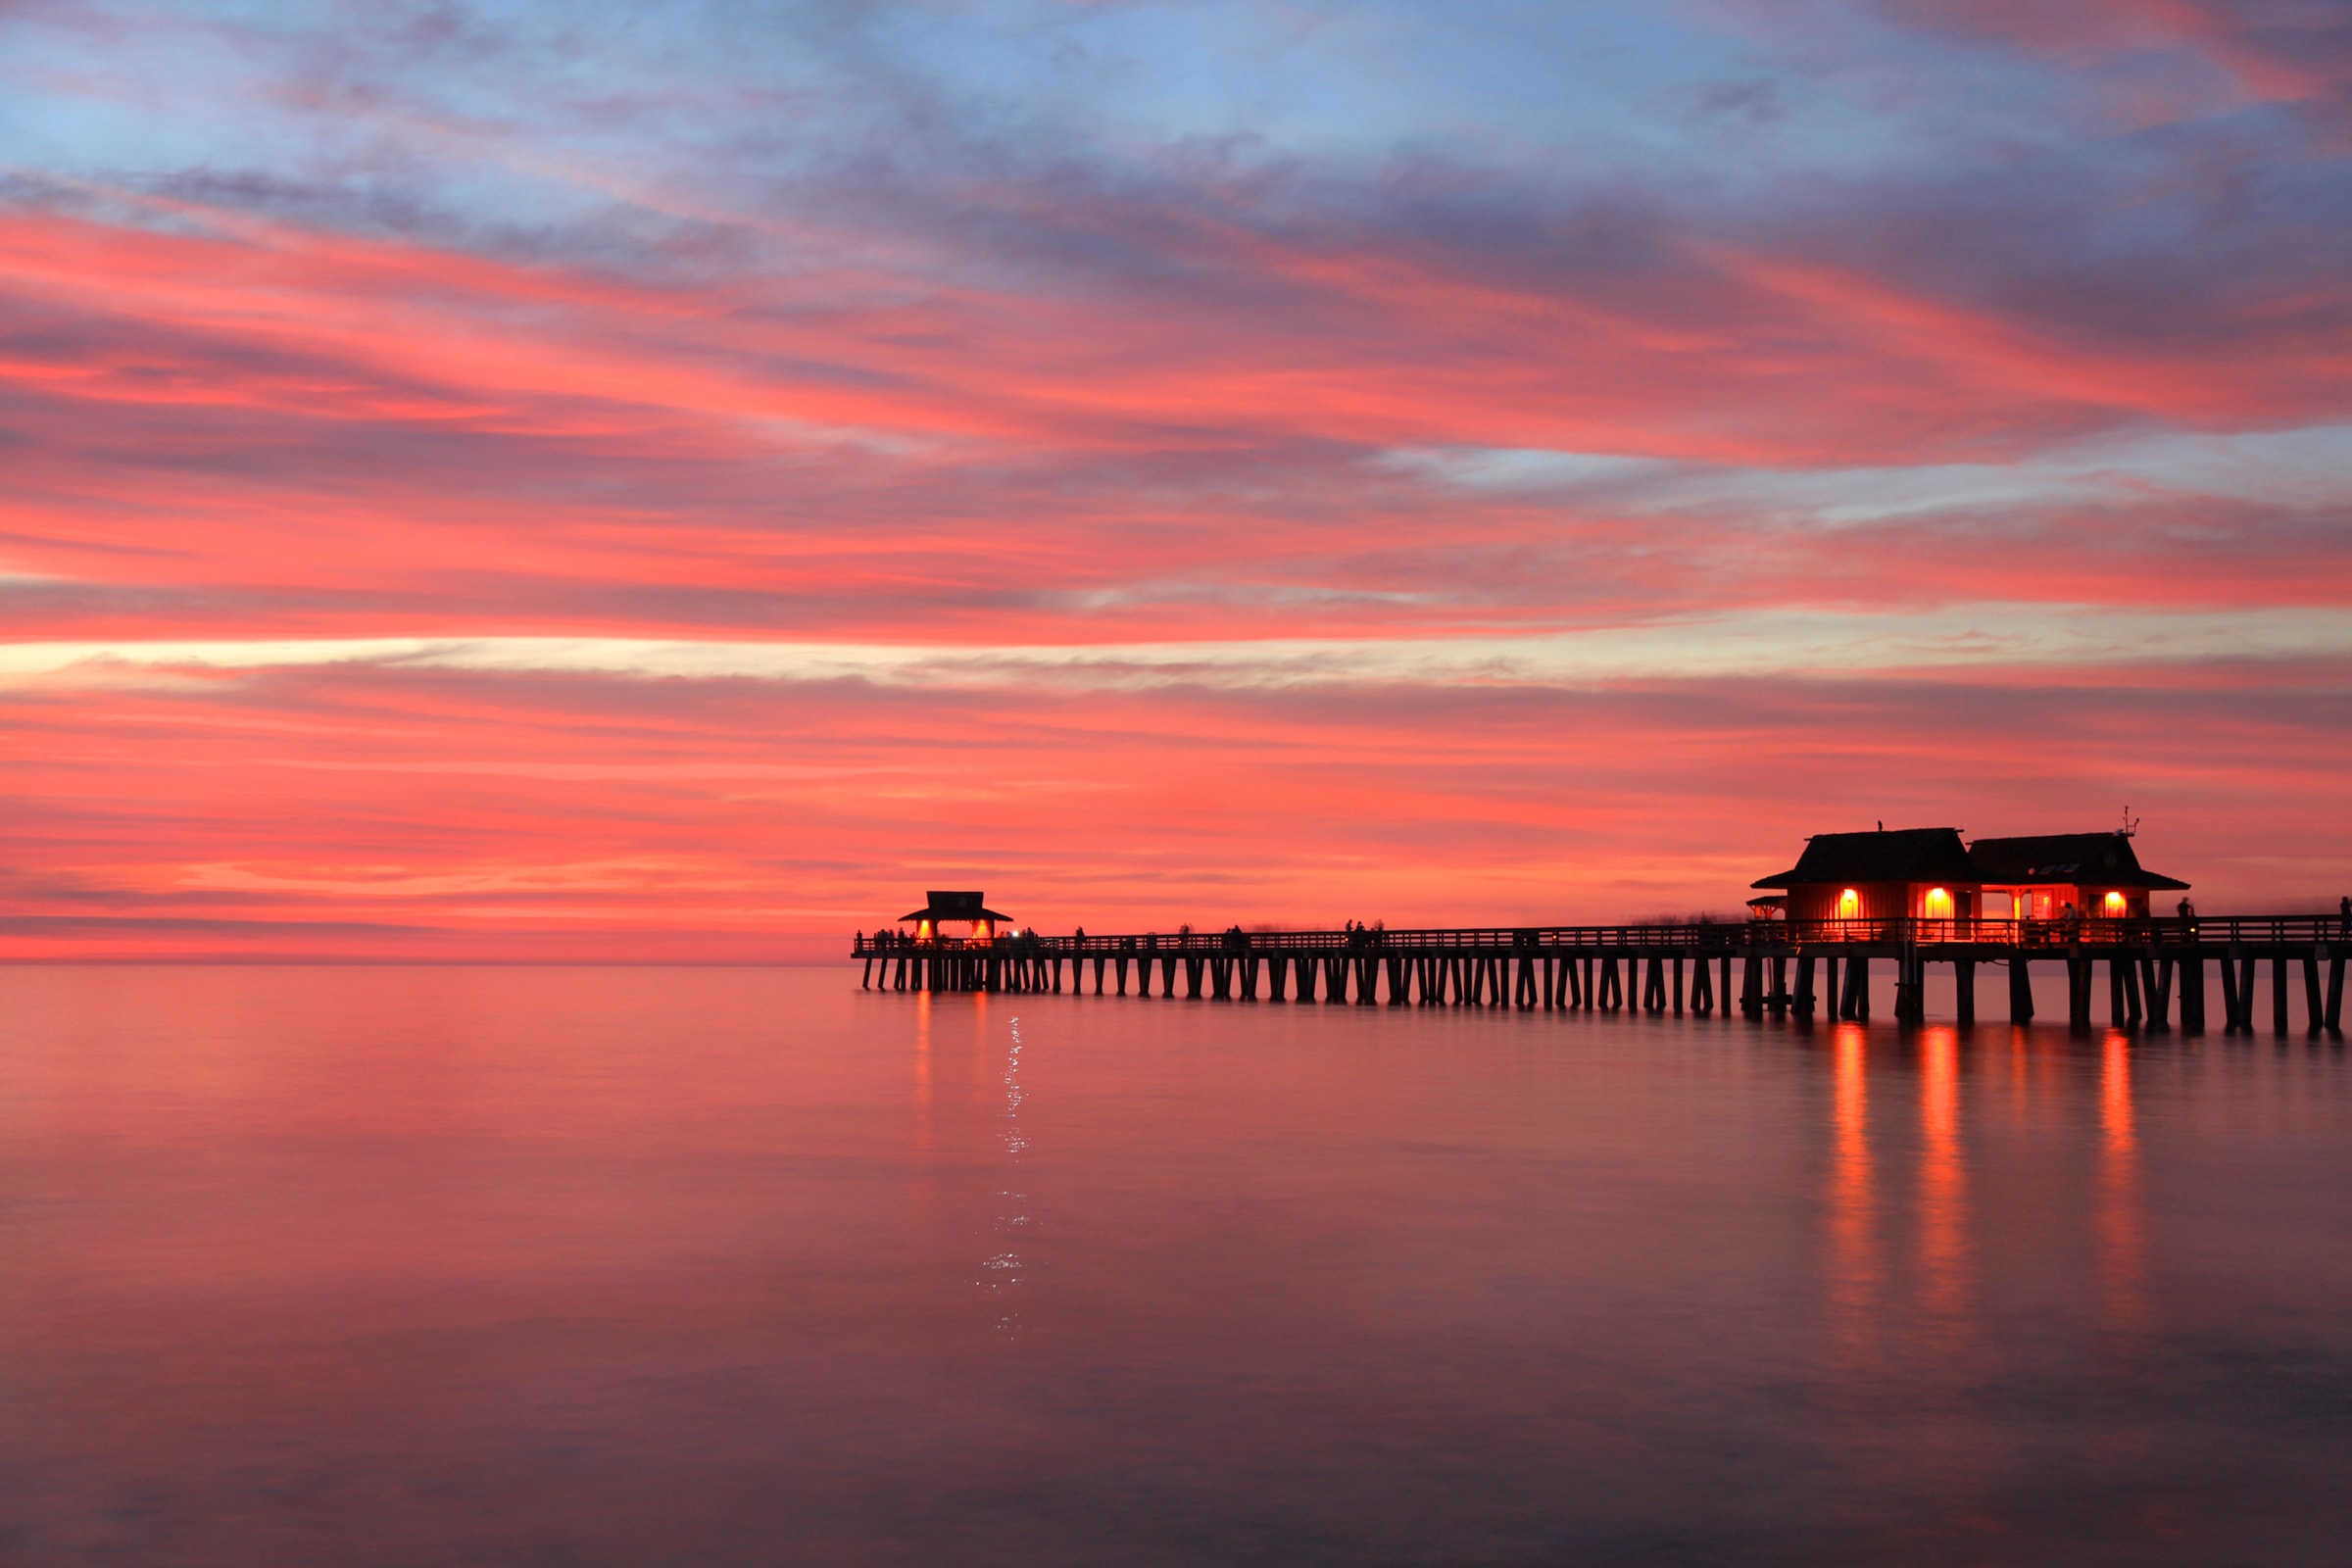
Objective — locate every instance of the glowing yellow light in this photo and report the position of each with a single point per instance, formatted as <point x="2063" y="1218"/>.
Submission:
<point x="923" y="931"/>
<point x="2114" y="903"/>
<point x="1849" y="904"/>
<point x="985" y="930"/>
<point x="1939" y="904"/>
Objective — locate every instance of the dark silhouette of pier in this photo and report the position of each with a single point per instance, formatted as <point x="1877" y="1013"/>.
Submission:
<point x="1781" y="968"/>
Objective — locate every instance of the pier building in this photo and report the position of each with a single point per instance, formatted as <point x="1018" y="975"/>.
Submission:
<point x="1919" y="873"/>
<point x="942" y="909"/>
<point x="2040" y="878"/>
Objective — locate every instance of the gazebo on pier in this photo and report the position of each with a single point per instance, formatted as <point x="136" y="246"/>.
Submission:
<point x="969" y="909"/>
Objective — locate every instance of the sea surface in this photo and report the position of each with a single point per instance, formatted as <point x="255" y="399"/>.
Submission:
<point x="740" y="1267"/>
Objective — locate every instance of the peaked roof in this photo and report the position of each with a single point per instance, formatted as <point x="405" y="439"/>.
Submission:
<point x="954" y="907"/>
<point x="1905" y="855"/>
<point x="2106" y="858"/>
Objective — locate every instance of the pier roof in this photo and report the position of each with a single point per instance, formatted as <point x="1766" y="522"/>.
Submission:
<point x="955" y="906"/>
<point x="1902" y="854"/>
<point x="2105" y="858"/>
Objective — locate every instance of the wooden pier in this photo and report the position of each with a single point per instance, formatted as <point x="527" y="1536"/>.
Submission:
<point x="1788" y="970"/>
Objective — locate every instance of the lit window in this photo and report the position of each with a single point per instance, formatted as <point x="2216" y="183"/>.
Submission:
<point x="2113" y="903"/>
<point x="1937" y="906"/>
<point x="1850" y="905"/>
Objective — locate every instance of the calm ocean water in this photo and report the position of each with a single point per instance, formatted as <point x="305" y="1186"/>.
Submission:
<point x="638" y="1267"/>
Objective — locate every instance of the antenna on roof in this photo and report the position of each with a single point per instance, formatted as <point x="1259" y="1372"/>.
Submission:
<point x="2131" y="824"/>
<point x="1882" y="824"/>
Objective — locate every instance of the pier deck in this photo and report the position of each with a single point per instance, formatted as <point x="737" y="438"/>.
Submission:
<point x="1784" y="969"/>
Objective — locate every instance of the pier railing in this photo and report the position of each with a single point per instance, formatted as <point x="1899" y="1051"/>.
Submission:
<point x="1697" y="936"/>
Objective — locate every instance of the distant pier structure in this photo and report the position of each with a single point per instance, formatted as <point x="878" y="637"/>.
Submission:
<point x="1912" y="897"/>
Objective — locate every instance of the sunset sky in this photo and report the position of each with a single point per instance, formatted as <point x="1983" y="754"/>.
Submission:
<point x="676" y="480"/>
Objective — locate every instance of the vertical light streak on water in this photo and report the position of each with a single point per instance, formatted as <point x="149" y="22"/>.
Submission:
<point x="1004" y="1270"/>
<point x="922" y="1072"/>
<point x="2119" y="1220"/>
<point x="1854" y="1307"/>
<point x="1943" y="1185"/>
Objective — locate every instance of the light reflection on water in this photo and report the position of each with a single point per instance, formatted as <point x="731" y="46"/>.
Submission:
<point x="725" y="1266"/>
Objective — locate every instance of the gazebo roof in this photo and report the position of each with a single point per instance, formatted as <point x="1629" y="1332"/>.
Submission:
<point x="954" y="907"/>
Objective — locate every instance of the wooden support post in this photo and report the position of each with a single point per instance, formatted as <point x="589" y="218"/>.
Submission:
<point x="2118" y="968"/>
<point x="2279" y="992"/>
<point x="2335" y="991"/>
<point x="1963" y="992"/>
<point x="1678" y="985"/>
<point x="1858" y="983"/>
<point x="2246" y="977"/>
<point x="2078" y="989"/>
<point x="1724" y="991"/>
<point x="1910" y="975"/>
<point x="1830" y="978"/>
<point x="1653" y="984"/>
<point x="2192" y="990"/>
<point x="1778" y="998"/>
<point x="2315" y="1012"/>
<point x="2156" y="979"/>
<point x="2233" y="1012"/>
<point x="1802" y="1002"/>
<point x="1751" y="986"/>
<point x="1612" y="994"/>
